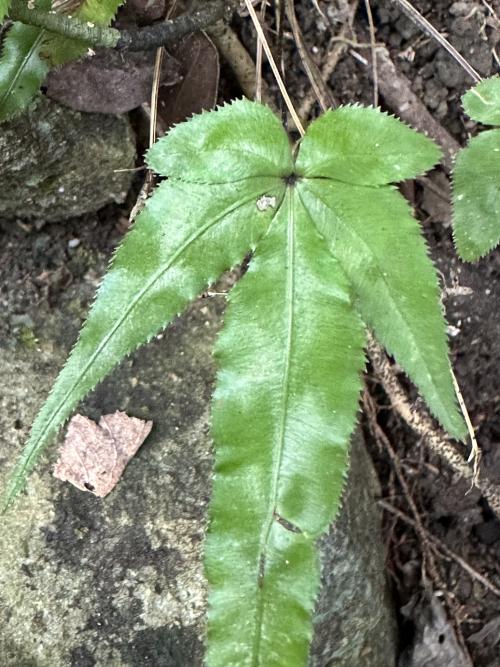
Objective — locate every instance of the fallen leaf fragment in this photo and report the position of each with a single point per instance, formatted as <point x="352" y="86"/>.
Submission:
<point x="109" y="81"/>
<point x="93" y="457"/>
<point x="199" y="65"/>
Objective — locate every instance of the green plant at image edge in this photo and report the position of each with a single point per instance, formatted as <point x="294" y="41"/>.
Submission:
<point x="335" y="250"/>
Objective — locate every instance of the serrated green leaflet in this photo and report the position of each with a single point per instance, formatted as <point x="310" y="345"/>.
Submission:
<point x="172" y="253"/>
<point x="291" y="352"/>
<point x="362" y="145"/>
<point x="381" y="250"/>
<point x="214" y="147"/>
<point x="482" y="103"/>
<point x="476" y="196"/>
<point x="476" y="177"/>
<point x="22" y="67"/>
<point x="281" y="423"/>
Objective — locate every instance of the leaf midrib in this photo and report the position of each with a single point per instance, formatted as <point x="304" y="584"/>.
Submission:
<point x="276" y="473"/>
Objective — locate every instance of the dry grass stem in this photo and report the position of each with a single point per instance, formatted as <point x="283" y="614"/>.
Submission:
<point x="331" y="59"/>
<point x="258" y="59"/>
<point x="374" y="52"/>
<point x="321" y="90"/>
<point x="277" y="75"/>
<point x="446" y="551"/>
<point x="427" y="27"/>
<point x="422" y="424"/>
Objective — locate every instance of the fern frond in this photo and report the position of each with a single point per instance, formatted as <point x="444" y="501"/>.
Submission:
<point x="22" y="68"/>
<point x="290" y="357"/>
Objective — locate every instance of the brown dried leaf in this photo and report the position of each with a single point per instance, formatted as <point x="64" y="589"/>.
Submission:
<point x="199" y="62"/>
<point x="109" y="81"/>
<point x="93" y="457"/>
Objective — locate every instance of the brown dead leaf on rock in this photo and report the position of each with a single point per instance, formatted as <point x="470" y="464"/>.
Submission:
<point x="109" y="81"/>
<point x="93" y="457"/>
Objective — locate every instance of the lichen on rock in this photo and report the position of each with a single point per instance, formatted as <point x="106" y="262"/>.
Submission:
<point x="57" y="163"/>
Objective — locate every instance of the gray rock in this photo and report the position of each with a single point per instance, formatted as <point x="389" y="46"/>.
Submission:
<point x="57" y="163"/>
<point x="355" y="625"/>
<point x="86" y="582"/>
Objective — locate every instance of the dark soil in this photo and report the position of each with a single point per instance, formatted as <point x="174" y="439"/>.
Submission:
<point x="34" y="265"/>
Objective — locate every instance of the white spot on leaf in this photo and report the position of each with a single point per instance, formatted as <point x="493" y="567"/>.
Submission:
<point x="266" y="202"/>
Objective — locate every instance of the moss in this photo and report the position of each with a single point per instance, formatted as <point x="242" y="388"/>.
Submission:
<point x="27" y="338"/>
<point x="57" y="163"/>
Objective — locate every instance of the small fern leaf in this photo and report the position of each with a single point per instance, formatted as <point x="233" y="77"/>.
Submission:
<point x="290" y="357"/>
<point x="183" y="240"/>
<point x="482" y="103"/>
<point x="476" y="177"/>
<point x="476" y="196"/>
<point x="240" y="140"/>
<point x="99" y="12"/>
<point x="4" y="8"/>
<point x="22" y="68"/>
<point x="364" y="146"/>
<point x="380" y="247"/>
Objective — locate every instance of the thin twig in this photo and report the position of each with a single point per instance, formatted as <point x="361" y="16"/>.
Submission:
<point x="419" y="20"/>
<point x="238" y="58"/>
<point x="422" y="424"/>
<point x="474" y="574"/>
<point x="379" y="434"/>
<point x="330" y="61"/>
<point x="374" y="52"/>
<point x="274" y="68"/>
<point x="321" y="91"/>
<point x="154" y="95"/>
<point x="141" y="39"/>
<point x="258" y="59"/>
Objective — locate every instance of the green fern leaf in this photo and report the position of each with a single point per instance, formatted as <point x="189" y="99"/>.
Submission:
<point x="212" y="148"/>
<point x="100" y="12"/>
<point x="185" y="238"/>
<point x="397" y="297"/>
<point x="282" y="422"/>
<point x="381" y="249"/>
<point x="476" y="196"/>
<point x="290" y="354"/>
<point x="61" y="50"/>
<point x="22" y="67"/>
<point x="482" y="103"/>
<point x="361" y="145"/>
<point x="476" y="177"/>
<point x="28" y="53"/>
<point x="4" y="8"/>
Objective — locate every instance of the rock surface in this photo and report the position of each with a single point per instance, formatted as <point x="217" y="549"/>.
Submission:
<point x="57" y="163"/>
<point x="119" y="583"/>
